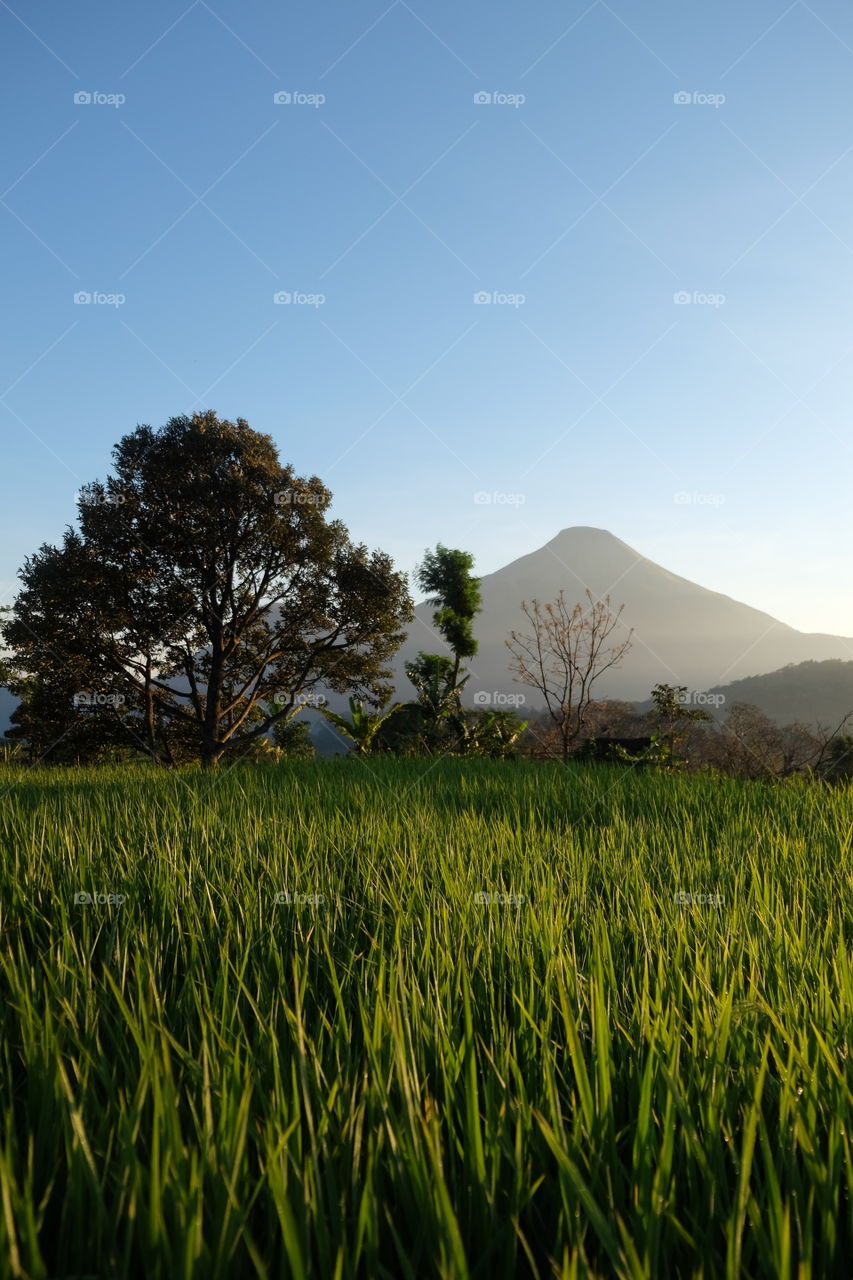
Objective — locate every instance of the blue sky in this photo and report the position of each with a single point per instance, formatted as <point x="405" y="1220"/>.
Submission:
<point x="711" y="434"/>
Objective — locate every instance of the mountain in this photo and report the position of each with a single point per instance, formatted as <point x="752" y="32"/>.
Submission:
<point x="684" y="634"/>
<point x="810" y="692"/>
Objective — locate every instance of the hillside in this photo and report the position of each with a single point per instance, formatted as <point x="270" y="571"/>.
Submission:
<point x="809" y="692"/>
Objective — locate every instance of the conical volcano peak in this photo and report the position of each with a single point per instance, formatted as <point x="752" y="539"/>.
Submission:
<point x="596" y="555"/>
<point x="584" y="529"/>
<point x="588" y="537"/>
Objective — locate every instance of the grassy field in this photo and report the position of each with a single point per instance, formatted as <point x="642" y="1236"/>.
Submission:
<point x="302" y="1045"/>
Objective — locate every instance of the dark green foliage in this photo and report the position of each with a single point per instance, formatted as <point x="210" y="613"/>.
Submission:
<point x="495" y="734"/>
<point x="445" y="575"/>
<point x="838" y="766"/>
<point x="437" y="715"/>
<point x="205" y="582"/>
<point x="362" y="727"/>
<point x="293" y="739"/>
<point x="435" y="724"/>
<point x="671" y="717"/>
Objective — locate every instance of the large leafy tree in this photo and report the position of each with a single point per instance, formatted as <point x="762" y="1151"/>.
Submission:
<point x="206" y="594"/>
<point x="63" y="661"/>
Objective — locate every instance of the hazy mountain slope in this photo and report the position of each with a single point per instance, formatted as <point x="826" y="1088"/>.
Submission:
<point x="811" y="692"/>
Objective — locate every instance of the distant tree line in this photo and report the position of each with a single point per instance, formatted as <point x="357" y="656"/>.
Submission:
<point x="744" y="743"/>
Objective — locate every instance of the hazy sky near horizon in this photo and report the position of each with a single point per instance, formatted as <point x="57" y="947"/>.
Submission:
<point x="666" y="347"/>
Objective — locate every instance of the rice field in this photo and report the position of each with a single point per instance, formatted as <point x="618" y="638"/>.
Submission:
<point x="406" y="1019"/>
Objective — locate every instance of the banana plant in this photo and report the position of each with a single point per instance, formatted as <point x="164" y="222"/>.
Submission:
<point x="493" y="733"/>
<point x="439" y="702"/>
<point x="362" y="726"/>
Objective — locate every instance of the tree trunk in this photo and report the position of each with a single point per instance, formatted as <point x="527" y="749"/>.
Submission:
<point x="211" y="754"/>
<point x="150" y="721"/>
<point x="211" y="748"/>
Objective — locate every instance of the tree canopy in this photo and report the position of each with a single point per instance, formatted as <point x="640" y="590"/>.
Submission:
<point x="205" y="594"/>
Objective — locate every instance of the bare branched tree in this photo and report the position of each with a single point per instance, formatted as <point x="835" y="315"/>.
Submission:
<point x="566" y="652"/>
<point x="749" y="744"/>
<point x="826" y="738"/>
